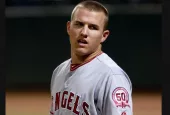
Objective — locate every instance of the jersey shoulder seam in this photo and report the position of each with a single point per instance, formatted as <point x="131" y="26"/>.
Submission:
<point x="112" y="73"/>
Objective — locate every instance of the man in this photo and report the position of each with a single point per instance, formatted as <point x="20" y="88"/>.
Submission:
<point x="90" y="83"/>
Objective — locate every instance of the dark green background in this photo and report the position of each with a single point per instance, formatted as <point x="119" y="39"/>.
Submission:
<point x="35" y="46"/>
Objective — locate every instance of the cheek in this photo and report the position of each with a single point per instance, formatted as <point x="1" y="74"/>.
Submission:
<point x="97" y="39"/>
<point x="73" y="35"/>
<point x="95" y="42"/>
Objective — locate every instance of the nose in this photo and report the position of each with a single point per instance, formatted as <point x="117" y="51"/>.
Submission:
<point x="84" y="32"/>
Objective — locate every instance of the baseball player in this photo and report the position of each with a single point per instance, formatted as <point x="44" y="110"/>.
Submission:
<point x="90" y="82"/>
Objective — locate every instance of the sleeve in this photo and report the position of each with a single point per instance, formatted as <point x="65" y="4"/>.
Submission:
<point x="53" y="77"/>
<point x="51" y="107"/>
<point x="51" y="112"/>
<point x="117" y="96"/>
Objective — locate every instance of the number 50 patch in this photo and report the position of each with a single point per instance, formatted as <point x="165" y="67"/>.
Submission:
<point x="120" y="97"/>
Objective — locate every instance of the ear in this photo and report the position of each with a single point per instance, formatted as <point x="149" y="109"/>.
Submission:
<point x="105" y="35"/>
<point x="68" y="27"/>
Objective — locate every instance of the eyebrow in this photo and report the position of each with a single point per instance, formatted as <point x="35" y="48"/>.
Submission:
<point x="77" y="21"/>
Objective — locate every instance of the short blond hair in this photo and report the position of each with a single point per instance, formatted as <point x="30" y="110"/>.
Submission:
<point x="93" y="6"/>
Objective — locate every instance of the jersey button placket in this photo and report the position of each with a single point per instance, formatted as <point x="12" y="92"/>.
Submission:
<point x="65" y="85"/>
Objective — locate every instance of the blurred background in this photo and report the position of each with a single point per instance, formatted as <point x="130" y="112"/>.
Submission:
<point x="37" y="42"/>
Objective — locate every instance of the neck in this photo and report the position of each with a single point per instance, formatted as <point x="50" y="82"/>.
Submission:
<point x="77" y="59"/>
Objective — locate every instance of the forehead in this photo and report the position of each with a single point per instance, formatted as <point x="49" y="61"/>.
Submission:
<point x="89" y="16"/>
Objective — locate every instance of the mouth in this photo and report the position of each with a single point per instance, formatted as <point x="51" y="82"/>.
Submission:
<point x="82" y="42"/>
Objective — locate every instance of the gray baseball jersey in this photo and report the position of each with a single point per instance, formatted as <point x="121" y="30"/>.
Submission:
<point x="97" y="87"/>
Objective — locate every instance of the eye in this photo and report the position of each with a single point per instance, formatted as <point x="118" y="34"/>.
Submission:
<point x="93" y="27"/>
<point x="78" y="24"/>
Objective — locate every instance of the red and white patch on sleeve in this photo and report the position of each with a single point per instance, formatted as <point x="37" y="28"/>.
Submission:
<point x="120" y="97"/>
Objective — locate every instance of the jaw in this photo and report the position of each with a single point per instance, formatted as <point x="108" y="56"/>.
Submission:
<point x="80" y="55"/>
<point x="85" y="51"/>
<point x="81" y="51"/>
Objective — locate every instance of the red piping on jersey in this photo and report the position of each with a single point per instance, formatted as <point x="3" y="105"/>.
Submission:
<point x="75" y="66"/>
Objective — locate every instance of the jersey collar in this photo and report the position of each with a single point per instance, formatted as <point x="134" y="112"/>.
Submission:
<point x="75" y="66"/>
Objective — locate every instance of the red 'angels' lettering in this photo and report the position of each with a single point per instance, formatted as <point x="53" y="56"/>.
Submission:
<point x="63" y="101"/>
<point x="57" y="101"/>
<point x="75" y="105"/>
<point x="85" y="107"/>
<point x="69" y="101"/>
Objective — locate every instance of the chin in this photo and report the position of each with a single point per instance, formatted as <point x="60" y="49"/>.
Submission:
<point x="81" y="52"/>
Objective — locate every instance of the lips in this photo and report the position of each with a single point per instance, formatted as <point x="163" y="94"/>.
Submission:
<point x="82" y="41"/>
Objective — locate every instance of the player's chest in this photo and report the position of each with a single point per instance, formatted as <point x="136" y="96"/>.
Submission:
<point x="77" y="82"/>
<point x="73" y="92"/>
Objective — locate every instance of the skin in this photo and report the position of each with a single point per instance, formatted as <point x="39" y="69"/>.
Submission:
<point x="88" y="26"/>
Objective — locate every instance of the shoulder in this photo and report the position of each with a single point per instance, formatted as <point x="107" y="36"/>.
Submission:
<point x="61" y="66"/>
<point x="108" y="63"/>
<point x="116" y="73"/>
<point x="58" y="69"/>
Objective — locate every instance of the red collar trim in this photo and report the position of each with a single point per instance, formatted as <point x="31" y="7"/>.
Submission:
<point x="75" y="66"/>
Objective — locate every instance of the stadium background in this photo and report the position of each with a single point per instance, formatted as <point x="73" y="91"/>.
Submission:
<point x="37" y="42"/>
